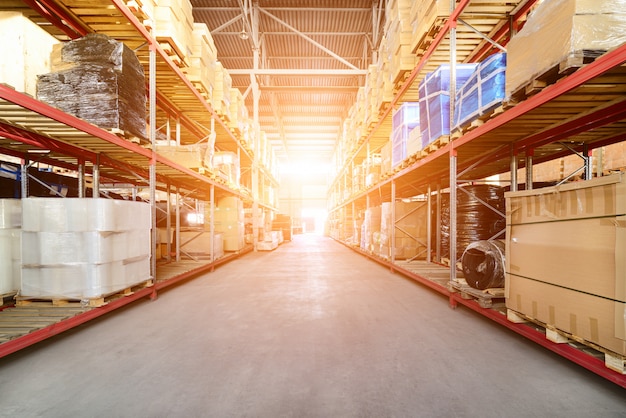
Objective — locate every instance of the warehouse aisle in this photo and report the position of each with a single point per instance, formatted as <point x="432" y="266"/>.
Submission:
<point x="309" y="330"/>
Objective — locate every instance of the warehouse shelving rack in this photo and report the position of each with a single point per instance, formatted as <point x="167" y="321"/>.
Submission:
<point x="586" y="109"/>
<point x="34" y="131"/>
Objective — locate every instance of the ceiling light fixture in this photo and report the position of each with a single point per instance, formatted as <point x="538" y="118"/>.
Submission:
<point x="243" y="34"/>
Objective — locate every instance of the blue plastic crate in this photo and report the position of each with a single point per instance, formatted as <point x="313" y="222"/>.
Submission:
<point x="434" y="100"/>
<point x="483" y="92"/>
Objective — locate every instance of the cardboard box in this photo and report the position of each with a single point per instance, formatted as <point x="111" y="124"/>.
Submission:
<point x="572" y="26"/>
<point x="566" y="258"/>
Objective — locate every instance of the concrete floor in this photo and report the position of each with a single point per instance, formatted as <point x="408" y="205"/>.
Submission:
<point x="309" y="330"/>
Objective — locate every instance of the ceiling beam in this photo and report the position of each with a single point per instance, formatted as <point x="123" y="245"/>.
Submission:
<point x="309" y="89"/>
<point x="293" y="71"/>
<point x="303" y="36"/>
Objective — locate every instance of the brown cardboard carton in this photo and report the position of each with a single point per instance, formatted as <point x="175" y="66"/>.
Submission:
<point x="566" y="258"/>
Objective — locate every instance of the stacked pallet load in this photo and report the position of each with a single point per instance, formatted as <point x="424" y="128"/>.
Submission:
<point x="434" y="101"/>
<point x="565" y="264"/>
<point x="173" y="24"/>
<point x="399" y="36"/>
<point x="404" y="120"/>
<point x="238" y="111"/>
<point x="190" y="156"/>
<point x="26" y="50"/>
<point x="226" y="165"/>
<point x="83" y="248"/>
<point x="229" y="221"/>
<point x="383" y="75"/>
<point x="221" y="92"/>
<point x="10" y="246"/>
<point x="559" y="37"/>
<point x="427" y="16"/>
<point x="100" y="80"/>
<point x="373" y="165"/>
<point x="482" y="93"/>
<point x="372" y="98"/>
<point x="202" y="58"/>
<point x="370" y="229"/>
<point x="410" y="235"/>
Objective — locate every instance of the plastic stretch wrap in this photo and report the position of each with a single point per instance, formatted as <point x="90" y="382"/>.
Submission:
<point x="475" y="221"/>
<point x="10" y="244"/>
<point x="10" y="213"/>
<point x="483" y="264"/>
<point x="87" y="214"/>
<point x="560" y="29"/>
<point x="227" y="163"/>
<point x="49" y="248"/>
<point x="482" y="92"/>
<point x="190" y="156"/>
<point x="404" y="119"/>
<point x="100" y="80"/>
<point x="10" y="260"/>
<point x="83" y="248"/>
<point x="434" y="100"/>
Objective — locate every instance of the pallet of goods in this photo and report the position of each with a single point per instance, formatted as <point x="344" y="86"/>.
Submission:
<point x="83" y="248"/>
<point x="10" y="245"/>
<point x="202" y="58"/>
<point x="482" y="93"/>
<point x="427" y="16"/>
<point x="99" y="80"/>
<point x="558" y="38"/>
<point x="172" y="21"/>
<point x="434" y="100"/>
<point x="403" y="121"/>
<point x="229" y="221"/>
<point x="565" y="263"/>
<point x="26" y="49"/>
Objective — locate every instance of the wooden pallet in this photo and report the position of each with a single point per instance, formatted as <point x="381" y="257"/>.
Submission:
<point x="18" y="321"/>
<point x="612" y="360"/>
<point x="489" y="113"/>
<point x="22" y="301"/>
<point x="487" y="298"/>
<point x="565" y="67"/>
<point x="438" y="143"/>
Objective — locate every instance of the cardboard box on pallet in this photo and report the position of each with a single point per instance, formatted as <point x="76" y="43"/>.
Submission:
<point x="25" y="51"/>
<point x="574" y="28"/>
<point x="566" y="258"/>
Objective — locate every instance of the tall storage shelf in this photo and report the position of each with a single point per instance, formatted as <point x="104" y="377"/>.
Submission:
<point x="580" y="112"/>
<point x="179" y="111"/>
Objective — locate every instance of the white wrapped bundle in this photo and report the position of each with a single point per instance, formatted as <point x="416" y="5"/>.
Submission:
<point x="69" y="281"/>
<point x="10" y="213"/>
<point x="84" y="214"/>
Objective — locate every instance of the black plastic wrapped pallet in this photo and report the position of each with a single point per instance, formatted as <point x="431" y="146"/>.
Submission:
<point x="100" y="80"/>
<point x="483" y="264"/>
<point x="475" y="221"/>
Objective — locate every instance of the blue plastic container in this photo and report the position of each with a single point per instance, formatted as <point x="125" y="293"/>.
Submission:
<point x="483" y="92"/>
<point x="434" y="100"/>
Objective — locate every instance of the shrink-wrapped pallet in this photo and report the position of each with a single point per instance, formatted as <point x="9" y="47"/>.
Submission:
<point x="83" y="248"/>
<point x="100" y="80"/>
<point x="565" y="258"/>
<point x="482" y="92"/>
<point x="229" y="220"/>
<point x="563" y="32"/>
<point x="10" y="245"/>
<point x="404" y="119"/>
<point x="25" y="51"/>
<point x="434" y="100"/>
